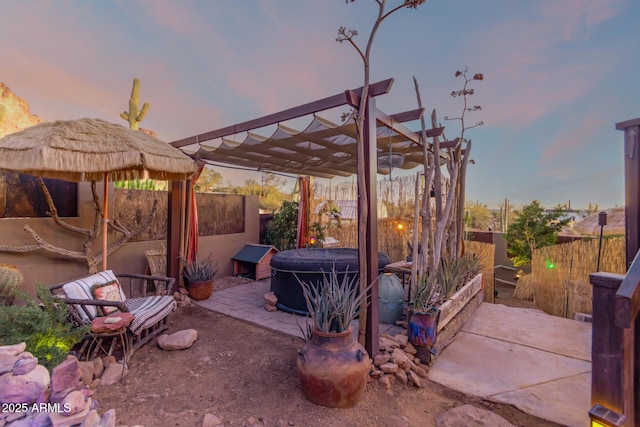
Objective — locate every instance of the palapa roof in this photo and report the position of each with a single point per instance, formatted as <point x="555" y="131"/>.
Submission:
<point x="86" y="149"/>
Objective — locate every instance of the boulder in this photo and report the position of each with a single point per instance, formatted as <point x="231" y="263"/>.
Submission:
<point x="389" y="368"/>
<point x="179" y="340"/>
<point x="25" y="365"/>
<point x="13" y="350"/>
<point x="65" y="376"/>
<point x="7" y="362"/>
<point x="112" y="374"/>
<point x="86" y="372"/>
<point x="381" y="359"/>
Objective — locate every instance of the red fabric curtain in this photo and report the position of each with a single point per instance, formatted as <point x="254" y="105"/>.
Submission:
<point x="192" y="228"/>
<point x="302" y="236"/>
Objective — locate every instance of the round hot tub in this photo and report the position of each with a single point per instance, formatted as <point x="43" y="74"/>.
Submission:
<point x="309" y="264"/>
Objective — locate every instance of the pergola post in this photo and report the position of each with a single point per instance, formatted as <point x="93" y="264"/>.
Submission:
<point x="631" y="130"/>
<point x="372" y="336"/>
<point x="176" y="211"/>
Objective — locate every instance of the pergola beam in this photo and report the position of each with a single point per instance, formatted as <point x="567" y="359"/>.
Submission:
<point x="375" y="89"/>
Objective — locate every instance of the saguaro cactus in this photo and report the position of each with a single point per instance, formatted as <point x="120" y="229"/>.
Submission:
<point x="133" y="116"/>
<point x="10" y="280"/>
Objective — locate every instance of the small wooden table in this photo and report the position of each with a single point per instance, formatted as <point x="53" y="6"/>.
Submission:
<point x="104" y="327"/>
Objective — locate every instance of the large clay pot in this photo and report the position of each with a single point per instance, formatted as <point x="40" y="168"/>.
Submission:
<point x="200" y="290"/>
<point x="333" y="369"/>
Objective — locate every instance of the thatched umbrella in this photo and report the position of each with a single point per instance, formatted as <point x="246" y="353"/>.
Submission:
<point x="92" y="150"/>
<point x="615" y="223"/>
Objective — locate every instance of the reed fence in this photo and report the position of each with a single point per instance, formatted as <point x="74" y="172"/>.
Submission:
<point x="561" y="273"/>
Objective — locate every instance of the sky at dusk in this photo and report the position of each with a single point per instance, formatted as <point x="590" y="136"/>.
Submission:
<point x="558" y="74"/>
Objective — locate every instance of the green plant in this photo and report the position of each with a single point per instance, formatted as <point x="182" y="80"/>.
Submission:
<point x="432" y="290"/>
<point x="133" y="116"/>
<point x="333" y="303"/>
<point x="454" y="273"/>
<point x="428" y="293"/>
<point x="10" y="280"/>
<point x="533" y="228"/>
<point x="200" y="271"/>
<point x="282" y="231"/>
<point x="44" y="327"/>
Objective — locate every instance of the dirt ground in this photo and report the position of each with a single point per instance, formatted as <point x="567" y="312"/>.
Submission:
<point x="238" y="371"/>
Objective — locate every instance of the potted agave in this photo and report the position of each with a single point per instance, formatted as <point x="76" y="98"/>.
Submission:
<point x="198" y="277"/>
<point x="333" y="367"/>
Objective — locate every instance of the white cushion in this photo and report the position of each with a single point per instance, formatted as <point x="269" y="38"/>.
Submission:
<point x="81" y="289"/>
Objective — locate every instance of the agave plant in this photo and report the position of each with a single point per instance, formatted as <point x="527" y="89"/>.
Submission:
<point x="454" y="273"/>
<point x="200" y="271"/>
<point x="333" y="303"/>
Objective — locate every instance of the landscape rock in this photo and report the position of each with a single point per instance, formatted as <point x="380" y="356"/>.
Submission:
<point x="211" y="420"/>
<point x="86" y="372"/>
<point x="270" y="298"/>
<point x="401" y="375"/>
<point x="74" y="402"/>
<point x="469" y="415"/>
<point x="65" y="376"/>
<point x="91" y="420"/>
<point x="269" y="307"/>
<point x="422" y="372"/>
<point x="381" y="359"/>
<point x="401" y="339"/>
<point x="42" y="420"/>
<point x="389" y="368"/>
<point x="59" y="418"/>
<point x="112" y="374"/>
<point x="377" y="373"/>
<point x="410" y="349"/>
<point x="98" y="367"/>
<point x="25" y="365"/>
<point x="399" y="357"/>
<point x="13" y="389"/>
<point x="414" y="379"/>
<point x="7" y="362"/>
<point x="385" y="381"/>
<point x="387" y="343"/>
<point x="108" y="360"/>
<point x="13" y="350"/>
<point x="108" y="419"/>
<point x="179" y="340"/>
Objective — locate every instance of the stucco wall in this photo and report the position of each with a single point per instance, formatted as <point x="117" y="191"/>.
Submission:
<point x="41" y="267"/>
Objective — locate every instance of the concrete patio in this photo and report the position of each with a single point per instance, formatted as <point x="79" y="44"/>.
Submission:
<point x="539" y="363"/>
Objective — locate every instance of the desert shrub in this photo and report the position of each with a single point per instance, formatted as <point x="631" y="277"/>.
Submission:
<point x="43" y="325"/>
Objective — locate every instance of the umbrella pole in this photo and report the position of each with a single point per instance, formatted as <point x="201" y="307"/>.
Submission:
<point x="105" y="196"/>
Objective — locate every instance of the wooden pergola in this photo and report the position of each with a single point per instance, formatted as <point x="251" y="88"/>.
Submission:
<point x="323" y="149"/>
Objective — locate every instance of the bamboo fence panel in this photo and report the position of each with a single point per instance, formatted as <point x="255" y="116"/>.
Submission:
<point x="561" y="273"/>
<point x="486" y="252"/>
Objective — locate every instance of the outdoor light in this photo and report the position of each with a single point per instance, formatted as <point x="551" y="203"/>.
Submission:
<point x="400" y="226"/>
<point x="605" y="417"/>
<point x="602" y="221"/>
<point x="550" y="264"/>
<point x="312" y="240"/>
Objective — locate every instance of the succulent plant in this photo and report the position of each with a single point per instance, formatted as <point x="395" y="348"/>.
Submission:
<point x="10" y="280"/>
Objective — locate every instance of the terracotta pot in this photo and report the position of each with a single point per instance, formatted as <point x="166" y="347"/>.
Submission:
<point x="333" y="369"/>
<point x="200" y="290"/>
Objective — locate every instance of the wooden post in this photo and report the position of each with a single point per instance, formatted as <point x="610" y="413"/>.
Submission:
<point x="372" y="336"/>
<point x="631" y="130"/>
<point x="607" y="344"/>
<point x="174" y="230"/>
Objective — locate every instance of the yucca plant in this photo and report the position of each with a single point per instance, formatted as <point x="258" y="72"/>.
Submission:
<point x="333" y="303"/>
<point x="428" y="293"/>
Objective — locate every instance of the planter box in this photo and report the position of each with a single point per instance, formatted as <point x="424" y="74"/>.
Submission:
<point x="457" y="310"/>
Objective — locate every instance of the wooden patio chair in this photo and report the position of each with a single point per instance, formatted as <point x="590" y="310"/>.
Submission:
<point x="103" y="294"/>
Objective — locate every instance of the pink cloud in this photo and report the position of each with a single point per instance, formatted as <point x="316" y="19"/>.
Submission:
<point x="530" y="67"/>
<point x="574" y="137"/>
<point x="576" y="17"/>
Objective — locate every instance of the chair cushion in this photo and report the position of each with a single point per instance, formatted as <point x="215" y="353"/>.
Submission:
<point x="81" y="289"/>
<point x="148" y="311"/>
<point x="109" y="291"/>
